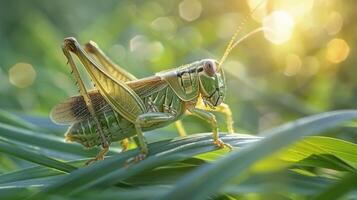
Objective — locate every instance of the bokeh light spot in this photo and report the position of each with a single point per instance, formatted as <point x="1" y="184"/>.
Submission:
<point x="279" y="25"/>
<point x="164" y="24"/>
<point x="337" y="50"/>
<point x="293" y="65"/>
<point x="22" y="75"/>
<point x="137" y="42"/>
<point x="145" y="49"/>
<point x="334" y="23"/>
<point x="190" y="10"/>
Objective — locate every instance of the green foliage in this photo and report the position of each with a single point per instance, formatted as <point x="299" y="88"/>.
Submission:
<point x="268" y="85"/>
<point x="191" y="167"/>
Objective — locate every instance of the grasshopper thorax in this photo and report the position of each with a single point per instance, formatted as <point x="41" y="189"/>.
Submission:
<point x="200" y="78"/>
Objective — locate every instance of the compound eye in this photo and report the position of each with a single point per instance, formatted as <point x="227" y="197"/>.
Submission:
<point x="209" y="68"/>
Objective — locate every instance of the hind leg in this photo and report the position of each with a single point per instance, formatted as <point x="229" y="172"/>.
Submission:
<point x="83" y="91"/>
<point x="100" y="155"/>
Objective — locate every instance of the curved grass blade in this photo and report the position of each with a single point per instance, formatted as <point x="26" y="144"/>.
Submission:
<point x="209" y="178"/>
<point x="323" y="151"/>
<point x="326" y="161"/>
<point x="170" y="173"/>
<point x="111" y="170"/>
<point x="8" y="118"/>
<point x="42" y="140"/>
<point x="339" y="189"/>
<point x="28" y="173"/>
<point x="34" y="157"/>
<point x="282" y="182"/>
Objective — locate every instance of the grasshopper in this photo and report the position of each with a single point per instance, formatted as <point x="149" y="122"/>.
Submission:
<point x="121" y="106"/>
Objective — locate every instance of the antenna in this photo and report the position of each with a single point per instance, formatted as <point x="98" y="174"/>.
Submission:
<point x="231" y="43"/>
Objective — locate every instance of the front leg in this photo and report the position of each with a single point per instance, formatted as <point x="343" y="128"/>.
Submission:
<point x="211" y="118"/>
<point x="224" y="108"/>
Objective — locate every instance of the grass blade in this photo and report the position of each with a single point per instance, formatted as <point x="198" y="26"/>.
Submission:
<point x="34" y="157"/>
<point x="8" y="118"/>
<point x="337" y="190"/>
<point x="208" y="179"/>
<point x="111" y="170"/>
<point x="42" y="140"/>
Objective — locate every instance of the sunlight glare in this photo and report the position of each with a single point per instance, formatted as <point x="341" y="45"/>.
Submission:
<point x="281" y="25"/>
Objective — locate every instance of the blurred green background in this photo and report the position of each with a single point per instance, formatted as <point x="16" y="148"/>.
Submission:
<point x="307" y="67"/>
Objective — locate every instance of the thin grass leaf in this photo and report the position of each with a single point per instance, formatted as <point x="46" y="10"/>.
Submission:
<point x="29" y="173"/>
<point x="11" y="119"/>
<point x="284" y="181"/>
<point x="111" y="170"/>
<point x="208" y="179"/>
<point x="36" y="172"/>
<point x="42" y="140"/>
<point x="317" y="147"/>
<point x="326" y="161"/>
<point x="339" y="189"/>
<point x="34" y="157"/>
<point x="14" y="193"/>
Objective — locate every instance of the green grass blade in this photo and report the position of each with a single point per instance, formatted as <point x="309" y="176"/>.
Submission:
<point x="42" y="140"/>
<point x="8" y="118"/>
<point x="326" y="161"/>
<point x="34" y="157"/>
<point x="322" y="151"/>
<point x="339" y="189"/>
<point x="283" y="181"/>
<point x="111" y="170"/>
<point x="208" y="179"/>
<point x="29" y="173"/>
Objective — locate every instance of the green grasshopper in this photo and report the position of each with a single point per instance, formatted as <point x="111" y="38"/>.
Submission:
<point x="121" y="106"/>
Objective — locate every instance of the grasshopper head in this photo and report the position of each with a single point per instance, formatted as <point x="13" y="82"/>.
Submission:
<point x="212" y="83"/>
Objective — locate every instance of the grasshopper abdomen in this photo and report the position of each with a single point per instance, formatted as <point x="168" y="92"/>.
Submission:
<point x="114" y="126"/>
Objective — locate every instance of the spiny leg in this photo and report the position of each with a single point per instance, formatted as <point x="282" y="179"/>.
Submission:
<point x="145" y="120"/>
<point x="83" y="91"/>
<point x="224" y="108"/>
<point x="122" y="98"/>
<point x="209" y="117"/>
<point x="118" y="72"/>
<point x="100" y="155"/>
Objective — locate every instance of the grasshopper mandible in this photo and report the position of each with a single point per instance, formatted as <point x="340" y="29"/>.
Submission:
<point x="121" y="106"/>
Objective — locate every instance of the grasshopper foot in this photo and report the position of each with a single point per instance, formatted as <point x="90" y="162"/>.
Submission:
<point x="93" y="160"/>
<point x="100" y="156"/>
<point x="220" y="144"/>
<point x="135" y="159"/>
